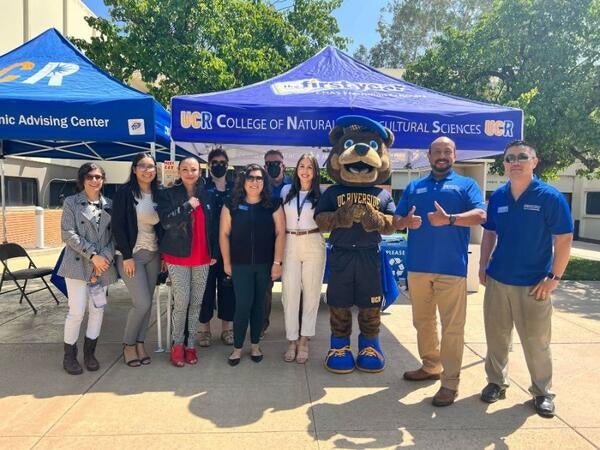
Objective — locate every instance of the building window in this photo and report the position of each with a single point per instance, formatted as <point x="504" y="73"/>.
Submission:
<point x="592" y="203"/>
<point x="20" y="191"/>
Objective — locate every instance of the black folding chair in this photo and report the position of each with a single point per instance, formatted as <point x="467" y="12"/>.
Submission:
<point x="10" y="251"/>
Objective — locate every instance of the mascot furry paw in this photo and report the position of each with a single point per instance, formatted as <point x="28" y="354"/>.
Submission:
<point x="357" y="213"/>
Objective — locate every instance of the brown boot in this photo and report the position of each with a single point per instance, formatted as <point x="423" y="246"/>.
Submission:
<point x="444" y="397"/>
<point x="420" y="375"/>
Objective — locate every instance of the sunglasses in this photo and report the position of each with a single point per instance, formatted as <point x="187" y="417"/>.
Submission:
<point x="218" y="163"/>
<point x="273" y="163"/>
<point x="94" y="177"/>
<point x="145" y="168"/>
<point x="521" y="157"/>
<point x="254" y="178"/>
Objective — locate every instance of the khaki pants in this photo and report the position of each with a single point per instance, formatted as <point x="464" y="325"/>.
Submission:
<point x="504" y="305"/>
<point x="449" y="294"/>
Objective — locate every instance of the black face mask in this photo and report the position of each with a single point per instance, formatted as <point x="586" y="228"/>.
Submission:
<point x="273" y="169"/>
<point x="218" y="170"/>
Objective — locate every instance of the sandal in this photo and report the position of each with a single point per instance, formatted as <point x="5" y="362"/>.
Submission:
<point x="290" y="354"/>
<point x="135" y="362"/>
<point x="190" y="355"/>
<point x="144" y="360"/>
<point x="227" y="337"/>
<point x="204" y="338"/>
<point x="302" y="355"/>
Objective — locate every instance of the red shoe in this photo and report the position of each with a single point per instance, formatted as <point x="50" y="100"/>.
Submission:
<point x="177" y="355"/>
<point x="191" y="356"/>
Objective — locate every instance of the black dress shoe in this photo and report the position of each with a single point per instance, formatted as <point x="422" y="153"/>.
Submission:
<point x="544" y="405"/>
<point x="492" y="393"/>
<point x="233" y="361"/>
<point x="256" y="358"/>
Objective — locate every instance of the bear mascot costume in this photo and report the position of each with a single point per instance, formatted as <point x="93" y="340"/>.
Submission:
<point x="356" y="212"/>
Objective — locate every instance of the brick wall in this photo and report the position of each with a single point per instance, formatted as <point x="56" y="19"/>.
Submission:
<point x="21" y="226"/>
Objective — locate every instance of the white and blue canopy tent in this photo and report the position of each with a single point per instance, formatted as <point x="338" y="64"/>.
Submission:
<point x="295" y="111"/>
<point x="56" y="103"/>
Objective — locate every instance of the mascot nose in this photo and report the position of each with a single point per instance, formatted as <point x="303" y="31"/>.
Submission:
<point x="361" y="149"/>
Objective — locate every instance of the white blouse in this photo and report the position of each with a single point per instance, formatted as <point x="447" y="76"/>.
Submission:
<point x="306" y="219"/>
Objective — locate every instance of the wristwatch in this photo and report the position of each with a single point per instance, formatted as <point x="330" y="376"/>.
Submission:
<point x="551" y="276"/>
<point x="451" y="219"/>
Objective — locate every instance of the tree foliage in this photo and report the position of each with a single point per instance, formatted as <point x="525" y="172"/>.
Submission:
<point x="196" y="46"/>
<point x="413" y="25"/>
<point x="540" y="55"/>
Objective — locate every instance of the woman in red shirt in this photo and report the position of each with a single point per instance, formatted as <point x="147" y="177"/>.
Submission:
<point x="185" y="212"/>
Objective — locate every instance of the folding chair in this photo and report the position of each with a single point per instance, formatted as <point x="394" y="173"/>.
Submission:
<point x="10" y="251"/>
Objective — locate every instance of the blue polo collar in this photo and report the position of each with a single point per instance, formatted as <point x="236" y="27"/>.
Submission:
<point x="449" y="176"/>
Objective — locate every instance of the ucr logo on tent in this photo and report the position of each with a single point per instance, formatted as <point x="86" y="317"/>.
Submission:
<point x="499" y="128"/>
<point x="198" y="120"/>
<point x="54" y="71"/>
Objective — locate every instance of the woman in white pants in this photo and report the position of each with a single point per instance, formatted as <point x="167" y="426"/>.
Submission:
<point x="303" y="259"/>
<point x="87" y="264"/>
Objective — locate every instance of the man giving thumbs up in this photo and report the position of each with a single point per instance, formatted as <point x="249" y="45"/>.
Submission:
<point x="437" y="264"/>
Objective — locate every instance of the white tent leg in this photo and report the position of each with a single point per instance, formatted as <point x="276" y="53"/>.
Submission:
<point x="159" y="347"/>
<point x="4" y="239"/>
<point x="172" y="150"/>
<point x="153" y="149"/>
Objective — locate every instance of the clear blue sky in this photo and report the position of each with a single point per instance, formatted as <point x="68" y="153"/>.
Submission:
<point x="357" y="19"/>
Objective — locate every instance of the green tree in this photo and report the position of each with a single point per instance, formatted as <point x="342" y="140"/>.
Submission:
<point x="413" y="26"/>
<point x="196" y="46"/>
<point x="540" y="55"/>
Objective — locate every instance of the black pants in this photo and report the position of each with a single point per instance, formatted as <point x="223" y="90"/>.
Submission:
<point x="219" y="292"/>
<point x="250" y="283"/>
<point x="354" y="278"/>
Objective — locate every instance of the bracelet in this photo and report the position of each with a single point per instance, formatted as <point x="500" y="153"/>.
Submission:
<point x="279" y="263"/>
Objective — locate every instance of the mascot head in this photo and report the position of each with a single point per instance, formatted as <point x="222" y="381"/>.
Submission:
<point x="360" y="153"/>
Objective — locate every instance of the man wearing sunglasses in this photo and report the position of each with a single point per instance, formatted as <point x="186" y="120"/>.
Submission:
<point x="439" y="210"/>
<point x="529" y="228"/>
<point x="276" y="169"/>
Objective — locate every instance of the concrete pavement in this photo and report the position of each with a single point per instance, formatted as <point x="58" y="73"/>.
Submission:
<point x="286" y="405"/>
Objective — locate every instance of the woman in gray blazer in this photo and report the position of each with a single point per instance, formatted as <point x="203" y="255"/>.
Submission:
<point x="87" y="264"/>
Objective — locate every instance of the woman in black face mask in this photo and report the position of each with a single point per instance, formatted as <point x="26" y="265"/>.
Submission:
<point x="219" y="289"/>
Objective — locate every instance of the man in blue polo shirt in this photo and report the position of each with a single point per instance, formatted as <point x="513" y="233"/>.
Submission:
<point x="437" y="264"/>
<point x="526" y="219"/>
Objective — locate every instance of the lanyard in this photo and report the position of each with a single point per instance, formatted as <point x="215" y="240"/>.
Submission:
<point x="300" y="206"/>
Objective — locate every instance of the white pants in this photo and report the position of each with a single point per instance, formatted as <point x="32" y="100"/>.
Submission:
<point x="78" y="299"/>
<point x="303" y="267"/>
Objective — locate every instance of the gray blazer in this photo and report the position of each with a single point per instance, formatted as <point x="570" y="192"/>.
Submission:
<point x="82" y="239"/>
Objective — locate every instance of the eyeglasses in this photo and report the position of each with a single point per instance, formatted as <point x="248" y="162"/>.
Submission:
<point x="94" y="177"/>
<point x="254" y="178"/>
<point x="145" y="168"/>
<point x="521" y="157"/>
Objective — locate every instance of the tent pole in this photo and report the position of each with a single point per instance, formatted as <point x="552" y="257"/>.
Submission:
<point x="172" y="148"/>
<point x="4" y="240"/>
<point x="153" y="149"/>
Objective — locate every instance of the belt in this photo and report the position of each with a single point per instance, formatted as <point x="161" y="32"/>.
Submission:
<point x="302" y="232"/>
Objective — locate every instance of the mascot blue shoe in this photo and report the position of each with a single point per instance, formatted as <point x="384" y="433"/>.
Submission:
<point x="339" y="358"/>
<point x="370" y="356"/>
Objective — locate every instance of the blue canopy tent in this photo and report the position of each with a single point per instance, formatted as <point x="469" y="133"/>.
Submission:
<point x="295" y="111"/>
<point x="55" y="103"/>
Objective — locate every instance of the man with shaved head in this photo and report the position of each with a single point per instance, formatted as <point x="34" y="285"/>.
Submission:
<point x="438" y="210"/>
<point x="529" y="229"/>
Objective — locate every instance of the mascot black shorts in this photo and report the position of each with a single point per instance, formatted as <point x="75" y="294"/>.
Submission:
<point x="354" y="278"/>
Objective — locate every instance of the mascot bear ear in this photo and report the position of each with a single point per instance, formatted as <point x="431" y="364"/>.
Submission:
<point x="336" y="133"/>
<point x="389" y="140"/>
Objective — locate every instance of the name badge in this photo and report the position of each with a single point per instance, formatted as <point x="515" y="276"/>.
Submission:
<point x="536" y="208"/>
<point x="243" y="207"/>
<point x="452" y="187"/>
<point x="502" y="209"/>
<point x="421" y="190"/>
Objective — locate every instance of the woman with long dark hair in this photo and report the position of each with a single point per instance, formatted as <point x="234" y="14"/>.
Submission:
<point x="186" y="214"/>
<point x="137" y="230"/>
<point x="251" y="237"/>
<point x="87" y="264"/>
<point x="303" y="258"/>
